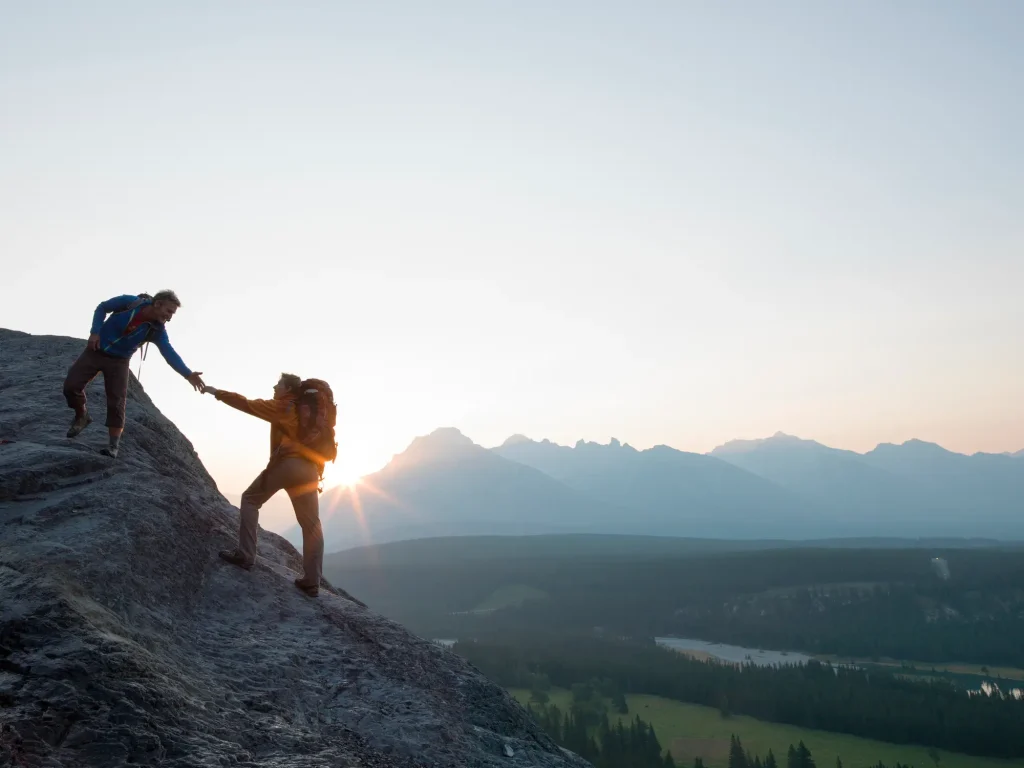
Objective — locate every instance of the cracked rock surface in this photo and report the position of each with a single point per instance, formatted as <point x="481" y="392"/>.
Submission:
<point x="124" y="640"/>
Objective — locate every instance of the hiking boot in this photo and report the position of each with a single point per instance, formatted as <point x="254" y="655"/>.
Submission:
<point x="309" y="588"/>
<point x="108" y="451"/>
<point x="82" y="420"/>
<point x="235" y="557"/>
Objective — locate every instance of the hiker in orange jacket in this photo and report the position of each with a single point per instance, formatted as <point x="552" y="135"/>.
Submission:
<point x="292" y="468"/>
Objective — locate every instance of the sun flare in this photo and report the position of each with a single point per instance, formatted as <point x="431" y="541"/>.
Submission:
<point x="341" y="476"/>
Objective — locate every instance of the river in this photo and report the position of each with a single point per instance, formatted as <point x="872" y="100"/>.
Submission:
<point x="734" y="653"/>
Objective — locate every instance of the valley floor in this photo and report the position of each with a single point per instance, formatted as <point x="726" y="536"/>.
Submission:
<point x="690" y="731"/>
<point x="970" y="676"/>
<point x="954" y="668"/>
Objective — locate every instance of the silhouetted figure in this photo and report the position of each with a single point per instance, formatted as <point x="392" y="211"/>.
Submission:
<point x="301" y="416"/>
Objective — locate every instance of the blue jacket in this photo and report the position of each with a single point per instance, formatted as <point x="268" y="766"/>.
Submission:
<point x="116" y="343"/>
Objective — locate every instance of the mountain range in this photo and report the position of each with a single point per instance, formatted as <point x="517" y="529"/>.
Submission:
<point x="781" y="487"/>
<point x="443" y="484"/>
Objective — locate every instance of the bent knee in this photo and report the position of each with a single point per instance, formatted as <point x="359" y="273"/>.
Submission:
<point x="253" y="499"/>
<point x="73" y="388"/>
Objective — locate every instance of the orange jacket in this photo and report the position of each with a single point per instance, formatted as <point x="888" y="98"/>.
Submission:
<point x="283" y="418"/>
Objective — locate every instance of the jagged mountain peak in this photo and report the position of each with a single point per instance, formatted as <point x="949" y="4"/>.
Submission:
<point x="916" y="447"/>
<point x="447" y="437"/>
<point x="521" y="441"/>
<point x="443" y="444"/>
<point x="516" y="439"/>
<point x="778" y="440"/>
<point x="613" y="444"/>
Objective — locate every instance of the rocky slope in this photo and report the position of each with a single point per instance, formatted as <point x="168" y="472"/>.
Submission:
<point x="124" y="640"/>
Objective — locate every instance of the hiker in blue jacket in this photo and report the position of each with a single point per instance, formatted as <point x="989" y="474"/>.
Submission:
<point x="133" y="321"/>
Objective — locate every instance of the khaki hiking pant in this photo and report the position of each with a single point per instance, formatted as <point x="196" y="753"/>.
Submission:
<point x="300" y="479"/>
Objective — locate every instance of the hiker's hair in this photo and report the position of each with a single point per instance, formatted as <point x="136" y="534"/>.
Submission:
<point x="291" y="381"/>
<point x="170" y="296"/>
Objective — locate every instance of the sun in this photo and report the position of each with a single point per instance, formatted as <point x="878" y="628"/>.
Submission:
<point x="341" y="476"/>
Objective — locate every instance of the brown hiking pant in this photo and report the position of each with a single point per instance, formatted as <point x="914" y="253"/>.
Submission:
<point x="300" y="479"/>
<point x="115" y="381"/>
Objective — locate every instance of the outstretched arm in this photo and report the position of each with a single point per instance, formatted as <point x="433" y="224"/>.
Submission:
<point x="163" y="343"/>
<point x="105" y="308"/>
<point x="275" y="411"/>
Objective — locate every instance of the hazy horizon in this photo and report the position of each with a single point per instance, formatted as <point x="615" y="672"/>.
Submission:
<point x="762" y="438"/>
<point x="667" y="223"/>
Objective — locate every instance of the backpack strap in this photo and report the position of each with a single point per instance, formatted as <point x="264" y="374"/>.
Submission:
<point x="155" y="329"/>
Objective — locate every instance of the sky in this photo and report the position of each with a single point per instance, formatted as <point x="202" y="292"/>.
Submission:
<point x="666" y="222"/>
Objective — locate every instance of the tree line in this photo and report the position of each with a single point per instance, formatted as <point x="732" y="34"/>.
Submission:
<point x="876" y="705"/>
<point x="798" y="756"/>
<point x="849" y="602"/>
<point x="588" y="732"/>
<point x="592" y="737"/>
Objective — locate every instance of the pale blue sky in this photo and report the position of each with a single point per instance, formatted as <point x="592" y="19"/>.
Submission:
<point x="669" y="222"/>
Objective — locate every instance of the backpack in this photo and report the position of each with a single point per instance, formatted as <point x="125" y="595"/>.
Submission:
<point x="317" y="414"/>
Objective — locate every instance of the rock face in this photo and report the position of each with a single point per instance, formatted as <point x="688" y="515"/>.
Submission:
<point x="125" y="640"/>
